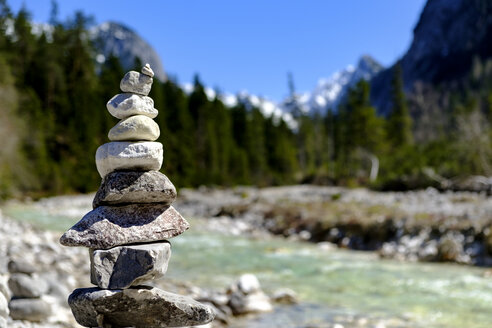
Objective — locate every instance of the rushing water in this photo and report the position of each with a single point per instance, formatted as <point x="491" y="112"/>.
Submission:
<point x="354" y="289"/>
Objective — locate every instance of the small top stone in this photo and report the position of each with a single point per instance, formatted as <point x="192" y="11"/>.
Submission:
<point x="135" y="82"/>
<point x="147" y="70"/>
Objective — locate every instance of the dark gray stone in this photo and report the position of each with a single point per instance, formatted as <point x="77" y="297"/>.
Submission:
<point x="30" y="309"/>
<point x="142" y="307"/>
<point x="123" y="266"/>
<point x="130" y="187"/>
<point x="107" y="227"/>
<point x="23" y="285"/>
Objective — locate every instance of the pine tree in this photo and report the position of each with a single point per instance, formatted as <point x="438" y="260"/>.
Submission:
<point x="399" y="127"/>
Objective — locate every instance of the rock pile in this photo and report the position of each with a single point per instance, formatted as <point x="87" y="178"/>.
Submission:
<point x="132" y="218"/>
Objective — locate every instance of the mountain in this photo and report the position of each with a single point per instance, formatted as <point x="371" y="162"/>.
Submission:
<point x="448" y="37"/>
<point x="330" y="92"/>
<point x="126" y="44"/>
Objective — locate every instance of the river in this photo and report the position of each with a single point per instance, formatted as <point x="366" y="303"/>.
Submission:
<point x="337" y="288"/>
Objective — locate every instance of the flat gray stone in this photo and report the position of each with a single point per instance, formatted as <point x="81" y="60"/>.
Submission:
<point x="124" y="105"/>
<point x="123" y="266"/>
<point x="133" y="128"/>
<point x="30" y="309"/>
<point x="130" y="187"/>
<point x="23" y="285"/>
<point x="107" y="226"/>
<point x="123" y="155"/>
<point x="136" y="82"/>
<point x="142" y="307"/>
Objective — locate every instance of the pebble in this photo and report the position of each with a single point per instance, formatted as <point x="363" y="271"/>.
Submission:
<point x="121" y="155"/>
<point x="21" y="266"/>
<point x="124" y="266"/>
<point x="138" y="127"/>
<point x="246" y="296"/>
<point x="130" y="187"/>
<point x="107" y="226"/>
<point x="285" y="296"/>
<point x="124" y="105"/>
<point x="136" y="82"/>
<point x="248" y="283"/>
<point x="4" y="306"/>
<point x="23" y="285"/>
<point x="4" y="288"/>
<point x="139" y="307"/>
<point x="147" y="70"/>
<point x="30" y="309"/>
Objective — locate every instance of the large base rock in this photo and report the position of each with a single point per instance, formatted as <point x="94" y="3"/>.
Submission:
<point x="135" y="156"/>
<point x="143" y="307"/>
<point x="123" y="266"/>
<point x="107" y="227"/>
<point x="130" y="187"/>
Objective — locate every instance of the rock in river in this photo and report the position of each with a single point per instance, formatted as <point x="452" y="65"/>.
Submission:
<point x="142" y="307"/>
<point x="246" y="296"/>
<point x="108" y="226"/>
<point x="123" y="266"/>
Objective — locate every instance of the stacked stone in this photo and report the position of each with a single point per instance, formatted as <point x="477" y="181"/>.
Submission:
<point x="132" y="218"/>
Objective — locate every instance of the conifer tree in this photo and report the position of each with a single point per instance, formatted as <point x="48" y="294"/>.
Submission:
<point x="399" y="126"/>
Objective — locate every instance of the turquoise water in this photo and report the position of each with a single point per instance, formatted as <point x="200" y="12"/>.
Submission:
<point x="333" y="285"/>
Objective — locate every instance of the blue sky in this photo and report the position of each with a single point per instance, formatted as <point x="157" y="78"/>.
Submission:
<point x="237" y="45"/>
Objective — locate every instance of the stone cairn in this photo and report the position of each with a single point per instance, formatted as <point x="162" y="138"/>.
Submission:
<point x="132" y="218"/>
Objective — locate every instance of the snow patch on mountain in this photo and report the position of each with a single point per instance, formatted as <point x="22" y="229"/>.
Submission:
<point x="330" y="92"/>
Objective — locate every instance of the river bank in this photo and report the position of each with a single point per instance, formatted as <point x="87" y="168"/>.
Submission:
<point x="424" y="225"/>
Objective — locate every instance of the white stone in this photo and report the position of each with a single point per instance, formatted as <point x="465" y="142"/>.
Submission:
<point x="248" y="283"/>
<point x="124" y="105"/>
<point x="147" y="70"/>
<point x="4" y="306"/>
<point x="138" y="127"/>
<point x="136" y="82"/>
<point x="251" y="303"/>
<point x="122" y="155"/>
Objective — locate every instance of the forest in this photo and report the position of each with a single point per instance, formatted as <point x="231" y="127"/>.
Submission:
<point x="52" y="105"/>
